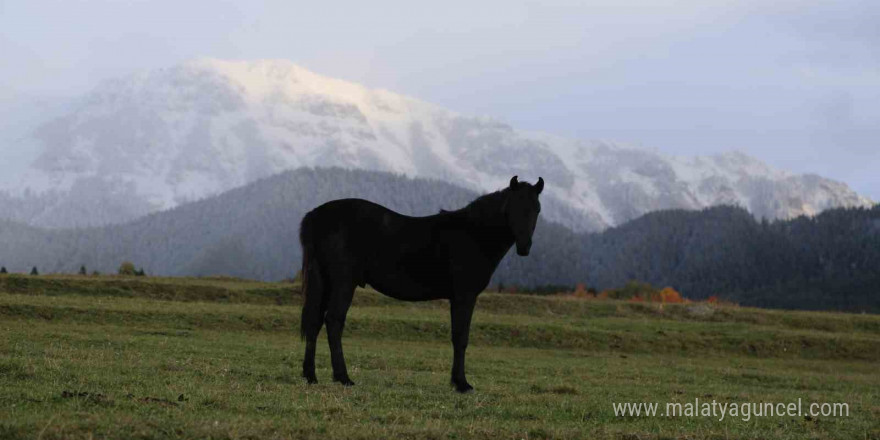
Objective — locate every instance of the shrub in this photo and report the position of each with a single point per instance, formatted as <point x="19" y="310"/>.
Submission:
<point x="581" y="291"/>
<point x="634" y="289"/>
<point x="637" y="291"/>
<point x="126" y="268"/>
<point x="670" y="295"/>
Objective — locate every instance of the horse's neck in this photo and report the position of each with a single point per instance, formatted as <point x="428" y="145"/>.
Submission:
<point x="487" y="225"/>
<point x="493" y="236"/>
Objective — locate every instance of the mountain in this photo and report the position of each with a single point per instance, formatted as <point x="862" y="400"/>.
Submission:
<point x="155" y="140"/>
<point x="822" y="262"/>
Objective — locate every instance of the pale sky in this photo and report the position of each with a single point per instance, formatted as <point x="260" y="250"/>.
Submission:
<point x="795" y="83"/>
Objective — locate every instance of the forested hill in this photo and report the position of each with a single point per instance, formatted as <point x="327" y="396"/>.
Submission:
<point x="830" y="261"/>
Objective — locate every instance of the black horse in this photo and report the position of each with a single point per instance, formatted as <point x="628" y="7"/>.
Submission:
<point x="451" y="255"/>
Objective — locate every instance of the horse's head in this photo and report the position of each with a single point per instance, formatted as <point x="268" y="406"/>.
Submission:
<point x="521" y="208"/>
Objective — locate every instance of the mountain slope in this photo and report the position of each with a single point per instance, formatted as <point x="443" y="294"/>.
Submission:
<point x="157" y="139"/>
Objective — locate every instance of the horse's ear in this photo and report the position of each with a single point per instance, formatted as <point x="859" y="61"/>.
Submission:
<point x="513" y="181"/>
<point x="540" y="185"/>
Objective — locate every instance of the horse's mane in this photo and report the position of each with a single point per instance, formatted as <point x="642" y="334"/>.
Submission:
<point x="481" y="209"/>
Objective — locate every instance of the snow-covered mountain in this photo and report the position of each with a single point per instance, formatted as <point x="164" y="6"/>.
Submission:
<point x="157" y="139"/>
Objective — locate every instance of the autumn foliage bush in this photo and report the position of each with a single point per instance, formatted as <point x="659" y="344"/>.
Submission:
<point x="670" y="295"/>
<point x="634" y="291"/>
<point x="581" y="291"/>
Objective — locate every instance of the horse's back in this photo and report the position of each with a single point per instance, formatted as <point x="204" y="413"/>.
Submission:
<point x="360" y="229"/>
<point x="352" y="217"/>
<point x="399" y="255"/>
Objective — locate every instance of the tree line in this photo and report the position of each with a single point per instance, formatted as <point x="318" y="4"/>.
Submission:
<point x="830" y="261"/>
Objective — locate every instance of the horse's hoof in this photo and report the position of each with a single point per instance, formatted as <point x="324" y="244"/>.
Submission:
<point x="310" y="379"/>
<point x="345" y="381"/>
<point x="464" y="388"/>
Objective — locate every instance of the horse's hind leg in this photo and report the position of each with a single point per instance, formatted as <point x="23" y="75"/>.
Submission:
<point x="312" y="318"/>
<point x="342" y="291"/>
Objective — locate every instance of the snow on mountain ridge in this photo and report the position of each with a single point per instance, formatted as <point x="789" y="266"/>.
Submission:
<point x="156" y="139"/>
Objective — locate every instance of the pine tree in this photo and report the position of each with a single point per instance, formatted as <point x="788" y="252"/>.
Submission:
<point x="34" y="271"/>
<point x="82" y="270"/>
<point x="140" y="272"/>
<point x="3" y="269"/>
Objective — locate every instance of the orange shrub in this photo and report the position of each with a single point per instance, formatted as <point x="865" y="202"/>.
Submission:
<point x="581" y="291"/>
<point x="670" y="295"/>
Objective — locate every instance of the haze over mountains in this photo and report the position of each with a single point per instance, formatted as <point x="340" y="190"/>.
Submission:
<point x="158" y="139"/>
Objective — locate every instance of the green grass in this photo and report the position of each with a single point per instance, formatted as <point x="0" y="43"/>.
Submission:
<point x="93" y="357"/>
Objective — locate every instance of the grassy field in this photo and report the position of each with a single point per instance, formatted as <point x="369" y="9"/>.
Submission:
<point x="98" y="357"/>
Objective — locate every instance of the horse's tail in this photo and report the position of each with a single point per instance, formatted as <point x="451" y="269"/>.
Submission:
<point x="312" y="285"/>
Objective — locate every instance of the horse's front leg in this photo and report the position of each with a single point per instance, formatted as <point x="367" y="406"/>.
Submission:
<point x="462" y="309"/>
